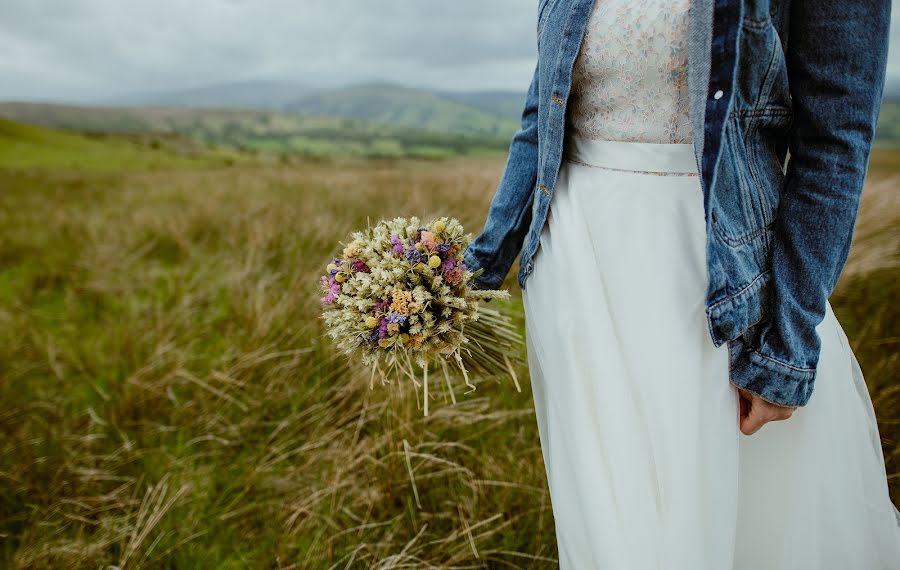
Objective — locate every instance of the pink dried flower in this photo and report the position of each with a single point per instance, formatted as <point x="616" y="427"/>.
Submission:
<point x="333" y="289"/>
<point x="454" y="276"/>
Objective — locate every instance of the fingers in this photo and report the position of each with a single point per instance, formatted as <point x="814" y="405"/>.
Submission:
<point x="759" y="412"/>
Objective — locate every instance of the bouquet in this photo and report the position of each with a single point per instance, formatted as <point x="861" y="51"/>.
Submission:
<point x="400" y="296"/>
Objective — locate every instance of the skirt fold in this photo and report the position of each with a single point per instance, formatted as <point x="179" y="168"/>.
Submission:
<point x="638" y="422"/>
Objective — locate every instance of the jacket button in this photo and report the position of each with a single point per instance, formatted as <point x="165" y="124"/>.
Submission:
<point x="718" y="94"/>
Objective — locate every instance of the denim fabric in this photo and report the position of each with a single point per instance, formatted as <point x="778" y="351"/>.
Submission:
<point x="784" y="96"/>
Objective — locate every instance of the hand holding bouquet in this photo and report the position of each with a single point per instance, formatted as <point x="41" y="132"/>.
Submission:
<point x="400" y="294"/>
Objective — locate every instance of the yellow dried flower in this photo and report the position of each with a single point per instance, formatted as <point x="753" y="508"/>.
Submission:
<point x="439" y="226"/>
<point x="434" y="262"/>
<point x="400" y="301"/>
<point x="393" y="328"/>
<point x="340" y="277"/>
<point x="331" y="267"/>
<point x="371" y="322"/>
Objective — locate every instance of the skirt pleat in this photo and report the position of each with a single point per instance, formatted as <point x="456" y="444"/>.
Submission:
<point x="638" y="423"/>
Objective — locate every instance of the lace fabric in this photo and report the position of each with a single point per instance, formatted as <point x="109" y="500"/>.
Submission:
<point x="629" y="80"/>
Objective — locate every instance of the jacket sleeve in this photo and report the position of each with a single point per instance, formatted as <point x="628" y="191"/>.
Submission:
<point x="836" y="58"/>
<point x="509" y="215"/>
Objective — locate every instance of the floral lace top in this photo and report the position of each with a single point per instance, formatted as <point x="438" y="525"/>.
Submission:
<point x="629" y="81"/>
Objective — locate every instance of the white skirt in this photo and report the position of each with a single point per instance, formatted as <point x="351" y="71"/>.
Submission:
<point x="638" y="422"/>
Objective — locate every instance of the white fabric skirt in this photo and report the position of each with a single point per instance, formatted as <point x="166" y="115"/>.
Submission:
<point x="638" y="422"/>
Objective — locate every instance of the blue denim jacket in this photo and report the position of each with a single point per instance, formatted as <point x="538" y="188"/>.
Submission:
<point x="767" y="79"/>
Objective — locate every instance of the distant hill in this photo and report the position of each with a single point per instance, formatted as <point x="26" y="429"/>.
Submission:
<point x="490" y="113"/>
<point x="263" y="131"/>
<point x="416" y="108"/>
<point x="507" y="104"/>
<point x="237" y="95"/>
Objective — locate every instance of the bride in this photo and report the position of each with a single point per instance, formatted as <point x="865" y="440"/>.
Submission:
<point x="698" y="403"/>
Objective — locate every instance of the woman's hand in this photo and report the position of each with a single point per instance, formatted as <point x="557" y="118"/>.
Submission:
<point x="755" y="412"/>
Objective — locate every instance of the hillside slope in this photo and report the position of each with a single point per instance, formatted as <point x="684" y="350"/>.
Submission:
<point x="27" y="146"/>
<point x="263" y="131"/>
<point x="409" y="107"/>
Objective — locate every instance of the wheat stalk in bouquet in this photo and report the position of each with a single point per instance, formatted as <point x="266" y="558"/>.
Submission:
<point x="400" y="296"/>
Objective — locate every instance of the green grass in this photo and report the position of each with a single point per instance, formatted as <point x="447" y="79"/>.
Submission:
<point x="29" y="147"/>
<point x="268" y="131"/>
<point x="166" y="400"/>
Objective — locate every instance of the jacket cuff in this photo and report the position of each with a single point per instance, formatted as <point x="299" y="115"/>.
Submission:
<point x="483" y="281"/>
<point x="772" y="380"/>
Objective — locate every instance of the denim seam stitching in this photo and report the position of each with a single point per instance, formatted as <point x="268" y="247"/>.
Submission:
<point x="805" y="371"/>
<point x="542" y="17"/>
<point x="746" y="238"/>
<point x="757" y="24"/>
<point x="740" y="292"/>
<point x="764" y="111"/>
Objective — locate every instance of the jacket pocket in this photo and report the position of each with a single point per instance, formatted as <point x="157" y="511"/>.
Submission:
<point x="754" y="140"/>
<point x="762" y="69"/>
<point x="744" y="209"/>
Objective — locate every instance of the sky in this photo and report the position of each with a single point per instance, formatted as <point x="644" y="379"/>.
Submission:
<point x="84" y="50"/>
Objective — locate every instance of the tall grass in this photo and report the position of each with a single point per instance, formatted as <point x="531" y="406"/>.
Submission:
<point x="166" y="399"/>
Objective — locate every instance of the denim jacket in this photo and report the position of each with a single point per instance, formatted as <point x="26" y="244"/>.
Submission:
<point x="783" y="100"/>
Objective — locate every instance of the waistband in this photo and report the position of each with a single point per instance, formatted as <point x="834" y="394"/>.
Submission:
<point x="631" y="156"/>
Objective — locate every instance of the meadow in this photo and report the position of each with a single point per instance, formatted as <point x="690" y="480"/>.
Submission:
<point x="167" y="399"/>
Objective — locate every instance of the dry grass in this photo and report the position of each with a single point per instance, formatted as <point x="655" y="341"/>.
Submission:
<point x="166" y="400"/>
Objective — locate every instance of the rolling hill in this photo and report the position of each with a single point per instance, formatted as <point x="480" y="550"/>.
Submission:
<point x="415" y="108"/>
<point x="27" y="146"/>
<point x="372" y="119"/>
<point x="262" y="131"/>
<point x="261" y="95"/>
<point x="400" y="105"/>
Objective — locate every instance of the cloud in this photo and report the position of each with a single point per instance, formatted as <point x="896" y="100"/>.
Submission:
<point x="94" y="48"/>
<point x="90" y="49"/>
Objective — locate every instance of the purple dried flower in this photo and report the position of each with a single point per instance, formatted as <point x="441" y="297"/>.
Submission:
<point x="413" y="255"/>
<point x="396" y="244"/>
<point x="360" y="265"/>
<point x="396" y="318"/>
<point x="333" y="288"/>
<point x="373" y="336"/>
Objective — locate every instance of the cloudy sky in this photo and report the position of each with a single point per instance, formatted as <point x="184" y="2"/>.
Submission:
<point x="83" y="50"/>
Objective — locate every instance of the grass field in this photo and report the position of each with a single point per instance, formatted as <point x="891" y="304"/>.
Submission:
<point x="289" y="134"/>
<point x="166" y="400"/>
